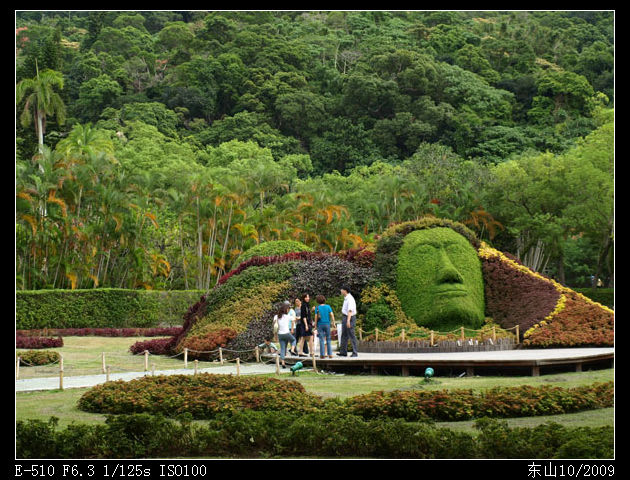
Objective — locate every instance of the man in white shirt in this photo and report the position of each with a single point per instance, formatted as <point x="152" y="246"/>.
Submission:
<point x="349" y="319"/>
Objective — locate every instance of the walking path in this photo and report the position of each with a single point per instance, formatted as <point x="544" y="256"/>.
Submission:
<point x="531" y="358"/>
<point x="52" y="383"/>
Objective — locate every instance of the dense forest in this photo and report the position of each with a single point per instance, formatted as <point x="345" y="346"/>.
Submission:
<point x="152" y="148"/>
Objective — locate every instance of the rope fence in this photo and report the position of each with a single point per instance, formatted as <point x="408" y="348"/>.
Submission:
<point x="224" y="356"/>
<point x="384" y="335"/>
<point x="107" y="367"/>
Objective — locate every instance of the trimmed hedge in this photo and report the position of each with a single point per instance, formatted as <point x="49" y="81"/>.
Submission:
<point x="101" y="308"/>
<point x="206" y="395"/>
<point x="254" y="434"/>
<point x="203" y="396"/>
<point x="500" y="402"/>
<point x="22" y="341"/>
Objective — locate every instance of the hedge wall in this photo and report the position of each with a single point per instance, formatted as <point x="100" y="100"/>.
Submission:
<point x="100" y="308"/>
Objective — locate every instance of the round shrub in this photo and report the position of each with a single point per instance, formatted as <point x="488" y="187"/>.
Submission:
<point x="32" y="358"/>
<point x="275" y="247"/>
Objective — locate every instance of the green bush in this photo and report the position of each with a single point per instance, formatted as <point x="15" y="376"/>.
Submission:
<point x="379" y="315"/>
<point x="256" y="434"/>
<point x="101" y="308"/>
<point x="275" y="247"/>
<point x="38" y="357"/>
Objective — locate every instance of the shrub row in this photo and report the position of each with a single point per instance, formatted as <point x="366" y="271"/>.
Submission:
<point x="503" y="402"/>
<point x="101" y="308"/>
<point x="103" y="332"/>
<point x="255" y="434"/>
<point x="204" y="396"/>
<point x="37" y="342"/>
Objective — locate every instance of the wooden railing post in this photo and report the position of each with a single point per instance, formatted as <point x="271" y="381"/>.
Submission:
<point x="432" y="337"/>
<point x="185" y="357"/>
<point x="463" y="335"/>
<point x="221" y="355"/>
<point x="257" y="354"/>
<point x="238" y="366"/>
<point x="60" y="372"/>
<point x="17" y="368"/>
<point x="196" y="365"/>
<point x="103" y="362"/>
<point x="376" y="330"/>
<point x="517" y="335"/>
<point x="494" y="334"/>
<point x="108" y="370"/>
<point x="146" y="360"/>
<point x="403" y="334"/>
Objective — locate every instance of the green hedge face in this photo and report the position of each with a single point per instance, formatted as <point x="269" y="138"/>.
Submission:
<point x="439" y="279"/>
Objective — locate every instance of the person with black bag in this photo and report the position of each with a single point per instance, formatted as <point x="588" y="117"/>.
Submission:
<point x="304" y="331"/>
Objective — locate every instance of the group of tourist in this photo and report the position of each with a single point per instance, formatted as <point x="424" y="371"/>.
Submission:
<point x="296" y="325"/>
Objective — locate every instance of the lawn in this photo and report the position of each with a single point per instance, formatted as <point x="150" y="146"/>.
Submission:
<point x="82" y="356"/>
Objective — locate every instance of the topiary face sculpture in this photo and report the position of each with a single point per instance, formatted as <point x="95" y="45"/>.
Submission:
<point x="439" y="279"/>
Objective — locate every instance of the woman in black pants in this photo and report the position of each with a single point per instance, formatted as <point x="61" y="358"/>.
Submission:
<point x="304" y="330"/>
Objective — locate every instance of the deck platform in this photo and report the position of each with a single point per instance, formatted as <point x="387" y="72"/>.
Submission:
<point x="528" y="360"/>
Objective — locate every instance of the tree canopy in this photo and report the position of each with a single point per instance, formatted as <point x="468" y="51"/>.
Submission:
<point x="167" y="143"/>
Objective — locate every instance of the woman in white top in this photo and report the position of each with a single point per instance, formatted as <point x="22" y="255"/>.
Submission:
<point x="284" y="331"/>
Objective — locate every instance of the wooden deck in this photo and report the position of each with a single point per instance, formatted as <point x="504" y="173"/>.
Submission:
<point x="531" y="360"/>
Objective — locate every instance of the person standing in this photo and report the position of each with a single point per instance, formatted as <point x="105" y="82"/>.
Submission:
<point x="324" y="322"/>
<point x="284" y="331"/>
<point x="293" y="317"/>
<point x="305" y="327"/>
<point x="349" y="320"/>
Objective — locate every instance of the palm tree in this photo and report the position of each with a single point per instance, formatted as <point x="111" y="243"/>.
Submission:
<point x="43" y="100"/>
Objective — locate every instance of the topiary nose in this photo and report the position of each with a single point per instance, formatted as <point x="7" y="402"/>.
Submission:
<point x="447" y="272"/>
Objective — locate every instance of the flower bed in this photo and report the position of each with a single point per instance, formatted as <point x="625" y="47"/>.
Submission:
<point x="549" y="314"/>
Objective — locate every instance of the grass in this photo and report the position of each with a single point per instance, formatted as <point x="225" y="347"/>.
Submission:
<point x="82" y="356"/>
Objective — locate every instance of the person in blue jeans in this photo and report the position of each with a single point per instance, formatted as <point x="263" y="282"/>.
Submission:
<point x="284" y="331"/>
<point x="324" y="322"/>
